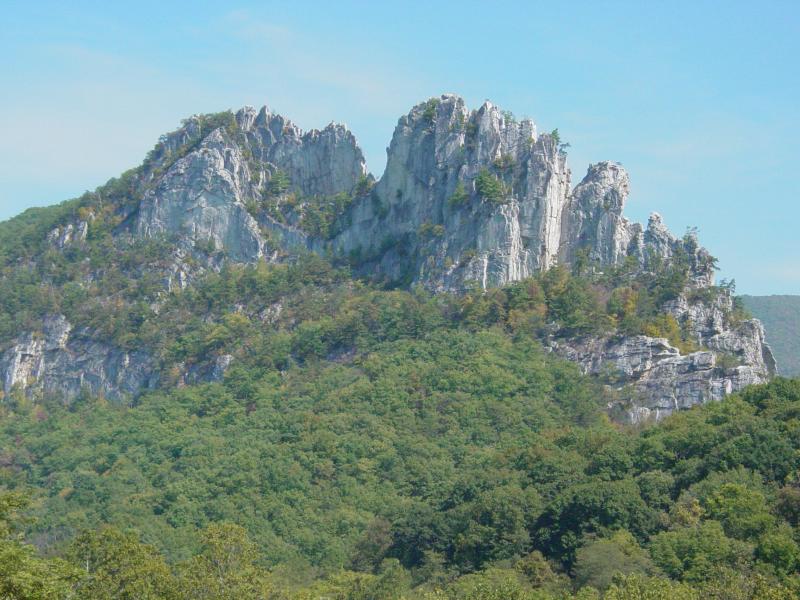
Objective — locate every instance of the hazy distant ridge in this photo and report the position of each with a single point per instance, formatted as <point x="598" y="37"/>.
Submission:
<point x="781" y="318"/>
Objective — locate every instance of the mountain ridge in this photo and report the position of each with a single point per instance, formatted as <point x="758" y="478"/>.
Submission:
<point x="468" y="198"/>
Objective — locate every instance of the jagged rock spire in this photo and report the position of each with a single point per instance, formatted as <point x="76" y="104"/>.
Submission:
<point x="488" y="186"/>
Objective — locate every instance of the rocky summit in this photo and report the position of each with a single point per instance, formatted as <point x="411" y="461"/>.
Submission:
<point x="470" y="199"/>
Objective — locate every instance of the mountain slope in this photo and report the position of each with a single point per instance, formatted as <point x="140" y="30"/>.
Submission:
<point x="781" y="318"/>
<point x="469" y="199"/>
<point x="446" y="457"/>
<point x="248" y="369"/>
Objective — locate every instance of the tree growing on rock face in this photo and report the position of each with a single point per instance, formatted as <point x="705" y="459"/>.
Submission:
<point x="489" y="187"/>
<point x="279" y="183"/>
<point x="459" y="195"/>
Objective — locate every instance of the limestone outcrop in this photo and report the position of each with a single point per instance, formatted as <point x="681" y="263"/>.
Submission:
<point x="210" y="198"/>
<point x="656" y="379"/>
<point x="63" y="363"/>
<point x="466" y="196"/>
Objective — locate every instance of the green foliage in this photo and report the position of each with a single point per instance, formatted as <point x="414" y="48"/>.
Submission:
<point x="695" y="553"/>
<point x="743" y="512"/>
<point x="433" y="464"/>
<point x="429" y="113"/>
<point x="23" y="574"/>
<point x="211" y="121"/>
<point x="193" y="131"/>
<point x="318" y="216"/>
<point x="430" y="230"/>
<point x="364" y="186"/>
<point x="279" y="183"/>
<point x="637" y="587"/>
<point x="25" y="235"/>
<point x="592" y="507"/>
<point x="389" y="360"/>
<point x="459" y="197"/>
<point x="573" y="303"/>
<point x="779" y="550"/>
<point x="101" y="281"/>
<point x="665" y="326"/>
<point x="489" y="187"/>
<point x="600" y="561"/>
<point x="118" y="565"/>
<point x="225" y="569"/>
<point x="506" y="162"/>
<point x="428" y="443"/>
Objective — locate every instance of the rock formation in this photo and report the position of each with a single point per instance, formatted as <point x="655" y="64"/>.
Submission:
<point x="661" y="380"/>
<point x="64" y="363"/>
<point x="208" y="196"/>
<point x="468" y="198"/>
<point x="430" y="218"/>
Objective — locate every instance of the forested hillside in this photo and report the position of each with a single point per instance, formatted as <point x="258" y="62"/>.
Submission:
<point x="781" y="318"/>
<point x="375" y="444"/>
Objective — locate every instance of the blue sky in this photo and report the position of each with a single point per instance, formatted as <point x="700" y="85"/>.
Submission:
<point x="699" y="100"/>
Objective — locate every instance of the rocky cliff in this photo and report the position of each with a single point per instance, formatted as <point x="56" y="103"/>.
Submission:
<point x="658" y="379"/>
<point x="63" y="363"/>
<point x="476" y="196"/>
<point x="468" y="198"/>
<point x="212" y="197"/>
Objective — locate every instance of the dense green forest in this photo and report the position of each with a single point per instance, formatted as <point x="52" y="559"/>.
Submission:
<point x="500" y="495"/>
<point x="369" y="442"/>
<point x="781" y="318"/>
<point x="372" y="443"/>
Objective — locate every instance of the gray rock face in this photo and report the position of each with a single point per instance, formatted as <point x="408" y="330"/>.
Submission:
<point x="593" y="224"/>
<point x="428" y="221"/>
<point x="212" y="371"/>
<point x="318" y="163"/>
<point x="62" y="362"/>
<point x="593" y="220"/>
<point x="209" y="198"/>
<point x="663" y="380"/>
<point x="710" y="323"/>
<point x="201" y="201"/>
<point x="71" y="233"/>
<point x="205" y="202"/>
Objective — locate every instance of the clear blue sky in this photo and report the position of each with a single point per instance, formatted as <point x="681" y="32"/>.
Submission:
<point x="699" y="100"/>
